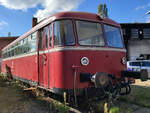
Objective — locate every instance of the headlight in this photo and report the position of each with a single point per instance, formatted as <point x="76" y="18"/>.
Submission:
<point x="84" y="61"/>
<point x="123" y="60"/>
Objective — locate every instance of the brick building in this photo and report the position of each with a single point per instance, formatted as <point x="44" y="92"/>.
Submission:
<point x="3" y="42"/>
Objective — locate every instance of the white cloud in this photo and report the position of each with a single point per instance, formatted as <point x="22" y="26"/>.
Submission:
<point x="51" y="7"/>
<point x="143" y="7"/>
<point x="48" y="6"/>
<point x="20" y="4"/>
<point x="2" y="24"/>
<point x="140" y="7"/>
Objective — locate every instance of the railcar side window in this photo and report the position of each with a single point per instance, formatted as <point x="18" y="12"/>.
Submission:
<point x="46" y="37"/>
<point x="40" y="38"/>
<point x="33" y="43"/>
<point x="113" y="36"/>
<point x="50" y="36"/>
<point x="63" y="33"/>
<point x="90" y="33"/>
<point x="43" y="38"/>
<point x="27" y="45"/>
<point x="19" y="47"/>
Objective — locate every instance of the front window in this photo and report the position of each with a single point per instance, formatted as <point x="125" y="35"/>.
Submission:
<point x="63" y="33"/>
<point x="90" y="33"/>
<point x="113" y="36"/>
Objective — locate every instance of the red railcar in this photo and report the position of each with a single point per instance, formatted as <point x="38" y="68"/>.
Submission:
<point x="71" y="52"/>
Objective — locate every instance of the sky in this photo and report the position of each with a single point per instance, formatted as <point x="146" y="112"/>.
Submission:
<point x="16" y="15"/>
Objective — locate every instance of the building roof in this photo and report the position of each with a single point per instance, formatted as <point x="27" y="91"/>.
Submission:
<point x="140" y="25"/>
<point x="13" y="37"/>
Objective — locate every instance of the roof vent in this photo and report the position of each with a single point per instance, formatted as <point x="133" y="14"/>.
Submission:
<point x="102" y="15"/>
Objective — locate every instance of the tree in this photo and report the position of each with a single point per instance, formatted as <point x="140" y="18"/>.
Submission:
<point x="103" y="10"/>
<point x="9" y="34"/>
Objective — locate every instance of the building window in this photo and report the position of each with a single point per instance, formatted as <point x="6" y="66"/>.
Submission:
<point x="123" y="31"/>
<point x="146" y="33"/>
<point x="40" y="39"/>
<point x="134" y="33"/>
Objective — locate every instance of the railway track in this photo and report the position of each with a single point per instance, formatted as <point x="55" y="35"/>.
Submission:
<point x="32" y="91"/>
<point x="84" y="105"/>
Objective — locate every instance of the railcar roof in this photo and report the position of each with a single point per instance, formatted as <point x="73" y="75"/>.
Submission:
<point x="63" y="15"/>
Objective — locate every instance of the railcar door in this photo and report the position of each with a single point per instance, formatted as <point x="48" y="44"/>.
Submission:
<point x="43" y="58"/>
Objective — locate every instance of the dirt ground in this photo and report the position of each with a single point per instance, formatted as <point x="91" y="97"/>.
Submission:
<point x="142" y="83"/>
<point x="13" y="100"/>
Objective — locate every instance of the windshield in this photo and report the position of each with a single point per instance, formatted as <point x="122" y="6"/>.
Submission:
<point x="63" y="33"/>
<point x="113" y="36"/>
<point x="90" y="33"/>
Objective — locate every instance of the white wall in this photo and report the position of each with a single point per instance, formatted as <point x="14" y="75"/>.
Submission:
<point x="137" y="47"/>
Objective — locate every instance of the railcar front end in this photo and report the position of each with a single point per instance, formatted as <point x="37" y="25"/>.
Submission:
<point x="90" y="56"/>
<point x="93" y="61"/>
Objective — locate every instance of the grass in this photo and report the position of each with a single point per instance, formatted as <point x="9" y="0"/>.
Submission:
<point x="140" y="95"/>
<point x="137" y="99"/>
<point x="114" y="110"/>
<point x="60" y="108"/>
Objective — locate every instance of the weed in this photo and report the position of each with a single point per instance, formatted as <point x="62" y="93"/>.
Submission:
<point x="59" y="108"/>
<point x="114" y="110"/>
<point x="129" y="110"/>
